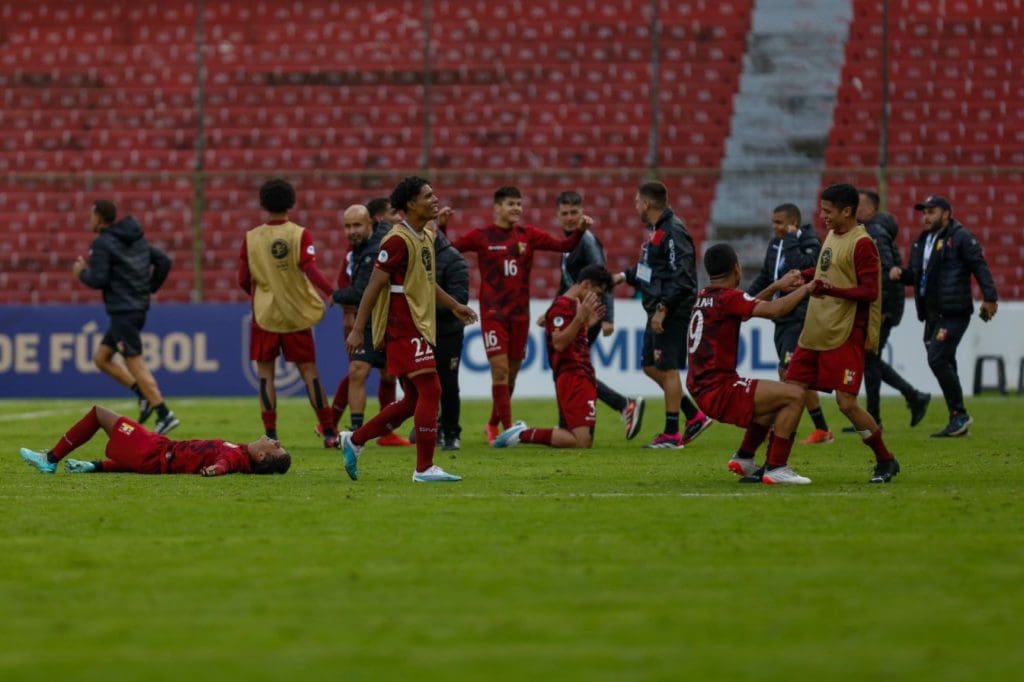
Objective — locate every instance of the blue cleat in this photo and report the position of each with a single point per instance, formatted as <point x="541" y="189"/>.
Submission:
<point x="38" y="460"/>
<point x="351" y="452"/>
<point x="434" y="474"/>
<point x="510" y="436"/>
<point x="77" y="466"/>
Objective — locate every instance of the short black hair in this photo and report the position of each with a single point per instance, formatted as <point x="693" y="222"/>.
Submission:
<point x="872" y="196"/>
<point x="569" y="198"/>
<point x="378" y="207"/>
<point x="407" y="191"/>
<point x="106" y="210"/>
<point x="654" y="192"/>
<point x="277" y="195"/>
<point x="278" y="464"/>
<point x="842" y="196"/>
<point x="719" y="260"/>
<point x="597" y="275"/>
<point x="507" y="192"/>
<point x="792" y="212"/>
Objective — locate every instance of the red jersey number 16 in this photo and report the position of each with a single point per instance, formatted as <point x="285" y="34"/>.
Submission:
<point x="511" y="268"/>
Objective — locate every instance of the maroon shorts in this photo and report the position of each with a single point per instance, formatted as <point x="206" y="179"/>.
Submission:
<point x="577" y="400"/>
<point x="505" y="337"/>
<point x="297" y="347"/>
<point x="137" y="449"/>
<point x="839" y="369"/>
<point x="407" y="355"/>
<point x="730" y="401"/>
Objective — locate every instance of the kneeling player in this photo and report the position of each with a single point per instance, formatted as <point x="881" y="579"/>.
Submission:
<point x="565" y="327"/>
<point x="132" y="448"/>
<point x="713" y="382"/>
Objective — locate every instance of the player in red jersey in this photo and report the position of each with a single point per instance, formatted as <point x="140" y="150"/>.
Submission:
<point x="403" y="294"/>
<point x="132" y="448"/>
<point x="505" y="255"/>
<point x="566" y="324"/>
<point x="712" y="344"/>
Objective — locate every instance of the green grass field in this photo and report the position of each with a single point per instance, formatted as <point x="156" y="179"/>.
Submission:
<point x="618" y="563"/>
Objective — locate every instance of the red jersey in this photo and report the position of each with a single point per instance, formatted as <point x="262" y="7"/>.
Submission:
<point x="505" y="258"/>
<point x="714" y="335"/>
<point x="394" y="260"/>
<point x="576" y="356"/>
<point x="190" y="456"/>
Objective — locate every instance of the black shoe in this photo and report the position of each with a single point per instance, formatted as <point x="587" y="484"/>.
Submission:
<point x="164" y="426"/>
<point x="918" y="407"/>
<point x="849" y="429"/>
<point x="958" y="425"/>
<point x="754" y="477"/>
<point x="885" y="471"/>
<point x="145" y="410"/>
<point x="452" y="444"/>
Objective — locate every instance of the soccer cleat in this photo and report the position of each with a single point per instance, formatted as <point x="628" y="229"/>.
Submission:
<point x="434" y="474"/>
<point x="510" y="436"/>
<point x="754" y="477"/>
<point x="958" y="425"/>
<point x="77" y="466"/>
<point x="351" y="452"/>
<point x="165" y="425"/>
<point x="742" y="466"/>
<point x="38" y="460"/>
<point x="783" y="476"/>
<point x="672" y="441"/>
<point x="695" y="427"/>
<point x="452" y="444"/>
<point x="393" y="440"/>
<point x="918" y="407"/>
<point x="633" y="415"/>
<point x="818" y="437"/>
<point x="491" y="432"/>
<point x="145" y="410"/>
<point x="885" y="471"/>
<point x="332" y="440"/>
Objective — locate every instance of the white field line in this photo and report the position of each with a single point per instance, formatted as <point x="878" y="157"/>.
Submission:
<point x="569" y="495"/>
<point x="37" y="414"/>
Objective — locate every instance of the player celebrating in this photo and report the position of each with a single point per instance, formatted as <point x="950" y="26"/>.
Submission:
<point x="402" y="295"/>
<point x="134" y="449"/>
<point x="713" y="343"/>
<point x="505" y="256"/>
<point x="565" y="327"/>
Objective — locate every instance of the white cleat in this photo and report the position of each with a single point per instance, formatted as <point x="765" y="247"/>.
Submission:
<point x="510" y="436"/>
<point x="784" y="476"/>
<point x="742" y="466"/>
<point x="434" y="474"/>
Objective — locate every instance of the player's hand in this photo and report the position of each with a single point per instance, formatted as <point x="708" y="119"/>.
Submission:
<point x="587" y="307"/>
<point x="658" y="321"/>
<point x="607" y="328"/>
<point x="443" y="215"/>
<point x="597" y="315"/>
<point x="895" y="273"/>
<point x="354" y="341"/>
<point x="791" y="229"/>
<point x="465" y="314"/>
<point x="208" y="471"/>
<point x="586" y="223"/>
<point x="988" y="310"/>
<point x="790" y="281"/>
<point x="79" y="265"/>
<point x="820" y="288"/>
<point x="542" y="319"/>
<point x="618" y="278"/>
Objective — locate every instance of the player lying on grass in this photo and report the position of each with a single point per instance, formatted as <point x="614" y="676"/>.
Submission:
<point x="565" y="329"/>
<point x="712" y="343"/>
<point x="132" y="448"/>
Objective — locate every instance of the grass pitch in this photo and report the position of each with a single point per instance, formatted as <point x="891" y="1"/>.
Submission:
<point x="618" y="563"/>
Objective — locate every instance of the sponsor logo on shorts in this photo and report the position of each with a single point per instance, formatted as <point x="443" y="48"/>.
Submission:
<point x="279" y="249"/>
<point x="126" y="429"/>
<point x="848" y="376"/>
<point x="941" y="334"/>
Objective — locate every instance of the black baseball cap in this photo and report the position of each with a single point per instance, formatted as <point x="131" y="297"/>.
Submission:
<point x="933" y="202"/>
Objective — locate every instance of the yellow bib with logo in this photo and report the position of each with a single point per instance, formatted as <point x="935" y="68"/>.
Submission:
<point x="283" y="300"/>
<point x="418" y="288"/>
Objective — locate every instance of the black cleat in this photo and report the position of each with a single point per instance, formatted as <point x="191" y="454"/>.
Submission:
<point x="885" y="471"/>
<point x="918" y="407"/>
<point x="754" y="477"/>
<point x="451" y="444"/>
<point x="958" y="425"/>
<point x="145" y="410"/>
<point x="165" y="425"/>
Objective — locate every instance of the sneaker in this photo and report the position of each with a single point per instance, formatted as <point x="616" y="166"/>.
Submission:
<point x="754" y="477"/>
<point x="77" y="466"/>
<point x="38" y="460"/>
<point x="633" y="415"/>
<point x="783" y="476"/>
<point x="451" y="444"/>
<point x="332" y="441"/>
<point x="918" y="407"/>
<point x="510" y="436"/>
<point x="885" y="471"/>
<point x="672" y="441"/>
<point x="167" y="424"/>
<point x="695" y="427"/>
<point x="351" y="452"/>
<point x="491" y="432"/>
<point x="145" y="410"/>
<point x="434" y="474"/>
<point x="958" y="425"/>
<point x="393" y="440"/>
<point x="818" y="437"/>
<point x="742" y="466"/>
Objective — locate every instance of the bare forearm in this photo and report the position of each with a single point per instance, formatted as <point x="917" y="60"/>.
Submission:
<point x="378" y="281"/>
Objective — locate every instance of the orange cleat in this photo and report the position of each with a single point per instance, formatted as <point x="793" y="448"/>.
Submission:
<point x="393" y="440"/>
<point x="818" y="437"/>
<point x="491" y="431"/>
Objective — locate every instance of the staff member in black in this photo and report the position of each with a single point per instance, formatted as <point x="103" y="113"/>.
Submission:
<point x="127" y="269"/>
<point x="453" y="277"/>
<point x="942" y="261"/>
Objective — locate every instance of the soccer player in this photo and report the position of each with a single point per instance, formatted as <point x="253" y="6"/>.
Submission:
<point x="843" y="320"/>
<point x="127" y="269"/>
<point x="666" y="277"/>
<point x="132" y="448"/>
<point x="402" y="296"/>
<point x="588" y="252"/>
<point x="277" y="267"/>
<point x="793" y="247"/>
<point x="566" y="325"/>
<point x="364" y="243"/>
<point x="505" y="255"/>
<point x="713" y="343"/>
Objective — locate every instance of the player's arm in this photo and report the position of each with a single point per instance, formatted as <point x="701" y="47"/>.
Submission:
<point x="379" y="281"/>
<point x="866" y="263"/>
<point x="161" y="268"/>
<point x="352" y="294"/>
<point x="307" y="263"/>
<point x="680" y="283"/>
<point x="784" y="305"/>
<point x="542" y="241"/>
<point x="219" y="468"/>
<point x="974" y="257"/>
<point x="462" y="311"/>
<point x="96" y="274"/>
<point x="466" y="243"/>
<point x="562" y="338"/>
<point x="763" y="279"/>
<point x="244" y="276"/>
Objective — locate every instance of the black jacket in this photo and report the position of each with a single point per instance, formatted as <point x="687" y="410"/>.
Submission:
<point x="669" y="255"/>
<point x="799" y="252"/>
<point x="589" y="251"/>
<point x="125" y="267"/>
<point x="453" y="278"/>
<point x="883" y="230"/>
<point x="360" y="263"/>
<point x="944" y="288"/>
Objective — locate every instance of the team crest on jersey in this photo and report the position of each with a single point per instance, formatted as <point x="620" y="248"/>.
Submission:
<point x="826" y="259"/>
<point x="126" y="428"/>
<point x="428" y="262"/>
<point x="559" y="321"/>
<point x="279" y="249"/>
<point x="522" y="247"/>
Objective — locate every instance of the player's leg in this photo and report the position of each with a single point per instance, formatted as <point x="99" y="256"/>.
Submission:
<point x="428" y="389"/>
<point x="339" y="403"/>
<point x="886" y="466"/>
<point x="501" y="393"/>
<point x="449" y="351"/>
<point x="784" y="403"/>
<point x="166" y="420"/>
<point x="387" y="388"/>
<point x="941" y="341"/>
<point x="318" y="401"/>
<point x="267" y="397"/>
<point x="358" y="374"/>
<point x="80" y="433"/>
<point x="104" y="360"/>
